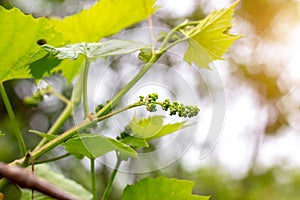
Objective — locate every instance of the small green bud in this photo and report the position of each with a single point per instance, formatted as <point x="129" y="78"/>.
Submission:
<point x="174" y="38"/>
<point x="123" y="134"/>
<point x="37" y="97"/>
<point x="180" y="110"/>
<point x="127" y="131"/>
<point x="166" y="104"/>
<point x="32" y="101"/>
<point x="174" y="108"/>
<point x="152" y="97"/>
<point x="141" y="98"/>
<point x="150" y="102"/>
<point x="145" y="55"/>
<point x="151" y="108"/>
<point x="162" y="36"/>
<point x="99" y="107"/>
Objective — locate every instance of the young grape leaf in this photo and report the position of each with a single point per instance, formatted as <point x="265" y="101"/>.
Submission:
<point x="210" y="38"/>
<point x="196" y="54"/>
<point x="149" y="129"/>
<point x="19" y="34"/>
<point x="58" y="180"/>
<point x="135" y="142"/>
<point x="145" y="127"/>
<point x="103" y="19"/>
<point x="168" y="129"/>
<point x="161" y="188"/>
<point x="95" y="50"/>
<point x="93" y="146"/>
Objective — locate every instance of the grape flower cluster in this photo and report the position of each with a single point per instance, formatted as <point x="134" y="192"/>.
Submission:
<point x="174" y="107"/>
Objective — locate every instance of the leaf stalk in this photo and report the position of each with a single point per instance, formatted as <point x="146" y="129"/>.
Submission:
<point x="111" y="180"/>
<point x="13" y="120"/>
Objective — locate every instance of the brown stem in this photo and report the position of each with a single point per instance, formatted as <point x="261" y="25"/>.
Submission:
<point x="25" y="179"/>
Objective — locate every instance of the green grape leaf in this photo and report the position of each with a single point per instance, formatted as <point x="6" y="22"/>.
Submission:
<point x="70" y="68"/>
<point x="44" y="171"/>
<point x="19" y="34"/>
<point x="168" y="129"/>
<point x="149" y="129"/>
<point x="196" y="54"/>
<point x="145" y="127"/>
<point x="210" y="38"/>
<point x="161" y="188"/>
<point x="135" y="142"/>
<point x="95" y="50"/>
<point x="47" y="63"/>
<point x="93" y="146"/>
<point x="103" y="19"/>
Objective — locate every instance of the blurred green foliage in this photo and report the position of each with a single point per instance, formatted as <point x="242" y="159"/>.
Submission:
<point x="275" y="183"/>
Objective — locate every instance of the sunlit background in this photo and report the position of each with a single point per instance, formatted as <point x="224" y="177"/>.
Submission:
<point x="257" y="154"/>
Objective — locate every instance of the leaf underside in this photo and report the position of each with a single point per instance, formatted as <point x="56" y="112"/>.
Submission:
<point x="95" y="50"/>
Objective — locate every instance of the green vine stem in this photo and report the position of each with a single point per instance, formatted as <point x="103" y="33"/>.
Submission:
<point x="100" y="115"/>
<point x="155" y="56"/>
<point x="36" y="162"/>
<point x="86" y="123"/>
<point x="141" y="73"/>
<point x="103" y="113"/>
<point x="58" y="123"/>
<point x="111" y="180"/>
<point x="184" y="24"/>
<point x="137" y="104"/>
<point x="13" y="120"/>
<point x="58" y="95"/>
<point x="62" y="117"/>
<point x="170" y="34"/>
<point x="60" y="139"/>
<point x="86" y="114"/>
<point x="85" y="88"/>
<point x="93" y="179"/>
<point x="65" y="136"/>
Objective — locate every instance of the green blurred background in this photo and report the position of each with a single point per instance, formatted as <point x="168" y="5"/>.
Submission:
<point x="258" y="153"/>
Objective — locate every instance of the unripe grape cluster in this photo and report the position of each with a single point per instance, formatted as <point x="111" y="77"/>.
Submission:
<point x="174" y="107"/>
<point x="150" y="101"/>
